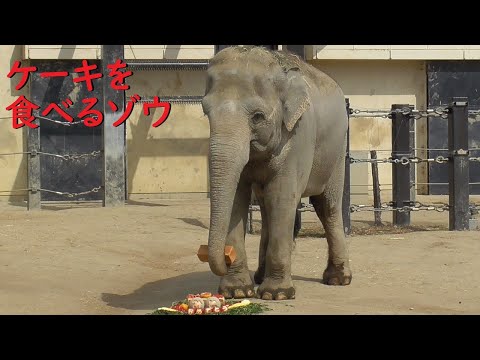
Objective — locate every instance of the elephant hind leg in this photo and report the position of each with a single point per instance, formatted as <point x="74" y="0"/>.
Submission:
<point x="260" y="273"/>
<point x="328" y="207"/>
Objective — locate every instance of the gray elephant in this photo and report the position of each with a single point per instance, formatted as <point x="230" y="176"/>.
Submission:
<point x="277" y="126"/>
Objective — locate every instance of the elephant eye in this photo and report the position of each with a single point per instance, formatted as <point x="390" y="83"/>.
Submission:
<point x="258" y="117"/>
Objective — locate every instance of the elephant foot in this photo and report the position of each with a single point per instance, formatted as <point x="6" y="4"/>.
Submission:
<point x="237" y="286"/>
<point x="276" y="289"/>
<point x="259" y="276"/>
<point x="337" y="275"/>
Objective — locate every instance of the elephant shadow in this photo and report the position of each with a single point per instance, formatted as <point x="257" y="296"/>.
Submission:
<point x="153" y="295"/>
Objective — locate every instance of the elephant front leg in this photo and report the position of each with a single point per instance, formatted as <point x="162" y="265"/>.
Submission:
<point x="280" y="206"/>
<point x="237" y="283"/>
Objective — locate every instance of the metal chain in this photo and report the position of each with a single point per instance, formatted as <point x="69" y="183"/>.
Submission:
<point x="373" y="161"/>
<point x="441" y="112"/>
<point x="370" y="113"/>
<point x="71" y="195"/>
<point x="306" y="207"/>
<point x="418" y="206"/>
<point x="73" y="157"/>
<point x="64" y="157"/>
<point x="474" y="209"/>
<point x="473" y="114"/>
<point x="475" y="159"/>
<point x="64" y="123"/>
<point x="359" y="208"/>
<point x="402" y="161"/>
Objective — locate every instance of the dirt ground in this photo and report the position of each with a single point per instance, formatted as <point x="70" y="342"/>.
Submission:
<point x="85" y="259"/>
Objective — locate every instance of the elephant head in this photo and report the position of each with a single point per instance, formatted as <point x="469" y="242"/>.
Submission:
<point x="254" y="98"/>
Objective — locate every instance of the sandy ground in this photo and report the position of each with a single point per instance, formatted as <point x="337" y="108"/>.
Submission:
<point x="85" y="259"/>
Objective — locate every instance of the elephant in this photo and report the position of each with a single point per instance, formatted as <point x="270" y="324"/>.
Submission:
<point x="278" y="127"/>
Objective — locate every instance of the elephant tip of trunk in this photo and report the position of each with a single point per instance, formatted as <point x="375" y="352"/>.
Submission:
<point x="218" y="268"/>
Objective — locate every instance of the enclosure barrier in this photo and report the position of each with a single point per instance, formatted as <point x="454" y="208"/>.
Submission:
<point x="403" y="158"/>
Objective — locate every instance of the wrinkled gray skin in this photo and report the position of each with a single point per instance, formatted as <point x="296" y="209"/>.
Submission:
<point x="277" y="126"/>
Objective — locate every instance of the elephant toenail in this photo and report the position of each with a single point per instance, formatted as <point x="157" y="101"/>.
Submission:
<point x="226" y="294"/>
<point x="281" y="296"/>
<point x="267" y="296"/>
<point x="250" y="293"/>
<point x="333" y="281"/>
<point x="238" y="294"/>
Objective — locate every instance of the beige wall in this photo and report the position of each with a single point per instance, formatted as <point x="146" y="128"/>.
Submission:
<point x="13" y="169"/>
<point x="377" y="85"/>
<point x="171" y="158"/>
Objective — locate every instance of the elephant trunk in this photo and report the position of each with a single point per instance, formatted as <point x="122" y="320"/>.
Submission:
<point x="228" y="157"/>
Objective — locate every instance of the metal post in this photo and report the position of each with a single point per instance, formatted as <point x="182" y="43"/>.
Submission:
<point x="34" y="195"/>
<point x="347" y="224"/>
<point x="113" y="137"/>
<point x="298" y="220"/>
<point x="413" y="188"/>
<point x="376" y="190"/>
<point x="401" y="147"/>
<point x="458" y="188"/>
<point x="250" y="221"/>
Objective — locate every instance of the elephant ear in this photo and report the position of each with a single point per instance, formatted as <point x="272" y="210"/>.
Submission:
<point x="296" y="98"/>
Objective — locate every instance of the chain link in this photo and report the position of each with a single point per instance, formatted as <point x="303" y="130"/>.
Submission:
<point x="418" y="206"/>
<point x="441" y="112"/>
<point x="373" y="161"/>
<point x="74" y="156"/>
<point x="474" y="209"/>
<point x="64" y="123"/>
<point x="64" y="157"/>
<point x="71" y="195"/>
<point x="475" y="159"/>
<point x="402" y="161"/>
<point x="473" y="114"/>
<point x="371" y="113"/>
